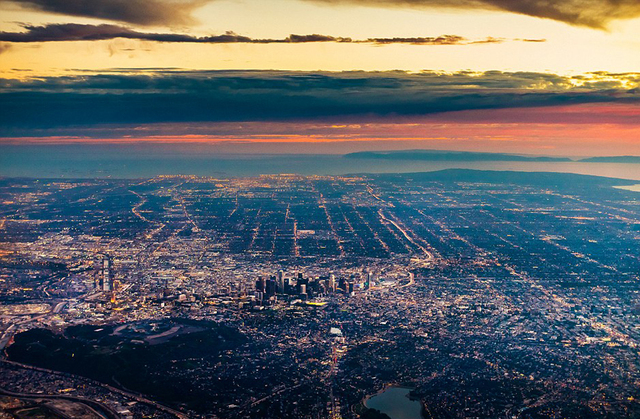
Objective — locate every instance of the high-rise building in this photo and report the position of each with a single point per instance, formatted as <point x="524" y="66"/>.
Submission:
<point x="106" y="279"/>
<point x="271" y="287"/>
<point x="324" y="286"/>
<point x="342" y="284"/>
<point x="280" y="282"/>
<point x="301" y="281"/>
<point x="289" y="286"/>
<point x="261" y="284"/>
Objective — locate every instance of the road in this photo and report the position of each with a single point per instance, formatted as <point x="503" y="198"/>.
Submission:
<point x="137" y="397"/>
<point x="6" y="338"/>
<point x="405" y="234"/>
<point x="99" y="408"/>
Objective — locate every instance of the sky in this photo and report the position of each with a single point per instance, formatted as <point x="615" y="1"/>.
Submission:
<point x="523" y="76"/>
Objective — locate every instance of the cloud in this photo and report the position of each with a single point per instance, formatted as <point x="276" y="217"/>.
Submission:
<point x="313" y="38"/>
<point x="156" y="96"/>
<point x="531" y="40"/>
<point x="80" y="32"/>
<point x="441" y="40"/>
<point x="4" y="47"/>
<point x="138" y="12"/>
<point x="591" y="13"/>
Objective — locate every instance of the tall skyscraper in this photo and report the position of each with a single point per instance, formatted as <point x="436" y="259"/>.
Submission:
<point x="271" y="286"/>
<point x="280" y="282"/>
<point x="261" y="284"/>
<point x="106" y="279"/>
<point x="332" y="283"/>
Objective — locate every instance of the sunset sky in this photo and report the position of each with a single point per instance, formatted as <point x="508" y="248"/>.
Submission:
<point x="329" y="76"/>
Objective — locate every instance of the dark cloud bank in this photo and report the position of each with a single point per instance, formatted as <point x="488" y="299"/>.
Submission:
<point x="79" y="32"/>
<point x="139" y="12"/>
<point x="218" y="96"/>
<point x="591" y="13"/>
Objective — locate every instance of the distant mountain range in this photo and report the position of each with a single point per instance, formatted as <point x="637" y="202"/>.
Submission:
<point x="613" y="159"/>
<point x="544" y="179"/>
<point x="445" y="155"/>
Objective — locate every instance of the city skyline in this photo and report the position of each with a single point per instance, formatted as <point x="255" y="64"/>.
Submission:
<point x="482" y="293"/>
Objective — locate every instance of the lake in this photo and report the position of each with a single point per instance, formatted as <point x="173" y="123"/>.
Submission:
<point x="395" y="403"/>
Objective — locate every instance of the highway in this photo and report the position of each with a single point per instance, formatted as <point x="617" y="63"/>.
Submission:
<point x="406" y="234"/>
<point x="137" y="397"/>
<point x="6" y="338"/>
<point x="99" y="408"/>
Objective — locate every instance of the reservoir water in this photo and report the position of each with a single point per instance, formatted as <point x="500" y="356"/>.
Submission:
<point x="395" y="403"/>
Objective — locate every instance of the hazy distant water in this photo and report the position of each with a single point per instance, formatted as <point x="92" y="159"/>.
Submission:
<point x="98" y="161"/>
<point x="634" y="188"/>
